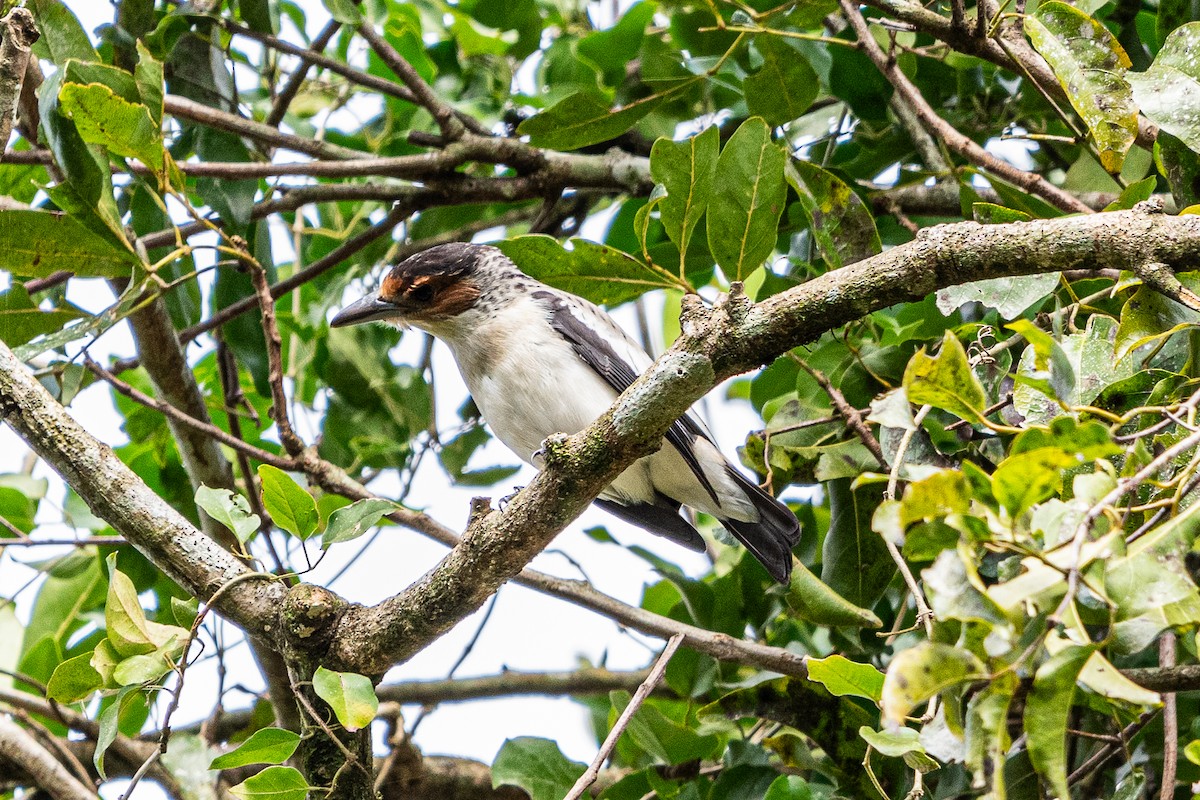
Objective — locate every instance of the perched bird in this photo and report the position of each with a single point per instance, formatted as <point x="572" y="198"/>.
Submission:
<point x="540" y="361"/>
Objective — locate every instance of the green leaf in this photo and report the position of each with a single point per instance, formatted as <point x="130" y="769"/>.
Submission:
<point x="145" y="668"/>
<point x="784" y="86"/>
<point x="986" y="734"/>
<point x="992" y="214"/>
<point x="36" y="244"/>
<point x="86" y="193"/>
<point x="344" y="11"/>
<point x="893" y="743"/>
<point x="229" y="509"/>
<point x="21" y="320"/>
<point x="1151" y="584"/>
<point x="842" y="677"/>
<point x="788" y="787"/>
<point x="1009" y="297"/>
<point x="854" y="560"/>
<point x="351" y="696"/>
<point x="1047" y="712"/>
<point x="686" y="171"/>
<point x="1091" y="66"/>
<point x="945" y="381"/>
<point x="149" y="77"/>
<point x="748" y="196"/>
<point x="1169" y="91"/>
<point x="273" y="783"/>
<point x="1079" y="367"/>
<point x="354" y="520"/>
<point x="812" y="600"/>
<point x="125" y="622"/>
<point x="1025" y="479"/>
<point x="922" y="671"/>
<point x="664" y="739"/>
<point x="1150" y="316"/>
<point x="537" y="766"/>
<point x="265" y="746"/>
<point x="583" y="119"/>
<point x="292" y="508"/>
<point x="73" y="680"/>
<point x="109" y="719"/>
<point x="103" y="118"/>
<point x="596" y="272"/>
<point x="61" y="32"/>
<point x="842" y="226"/>
<point x="1134" y="193"/>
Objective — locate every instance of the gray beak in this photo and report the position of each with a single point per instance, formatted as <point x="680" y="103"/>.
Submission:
<point x="368" y="309"/>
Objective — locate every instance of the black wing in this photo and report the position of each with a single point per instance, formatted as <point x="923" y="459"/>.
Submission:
<point x="617" y="373"/>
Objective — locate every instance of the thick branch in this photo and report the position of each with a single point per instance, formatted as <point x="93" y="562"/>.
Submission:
<point x="17" y="34"/>
<point x="735" y="337"/>
<point x="118" y="496"/>
<point x="17" y="745"/>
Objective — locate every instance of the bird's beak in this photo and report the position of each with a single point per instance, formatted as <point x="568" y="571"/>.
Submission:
<point x="368" y="309"/>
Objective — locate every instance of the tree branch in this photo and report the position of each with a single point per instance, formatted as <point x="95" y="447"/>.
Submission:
<point x="734" y="337"/>
<point x="44" y="769"/>
<point x="18" y="32"/>
<point x="117" y="495"/>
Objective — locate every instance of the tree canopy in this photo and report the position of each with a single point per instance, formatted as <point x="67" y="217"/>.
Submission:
<point x="961" y="237"/>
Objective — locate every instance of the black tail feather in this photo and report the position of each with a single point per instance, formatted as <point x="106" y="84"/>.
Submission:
<point x="772" y="538"/>
<point x="659" y="520"/>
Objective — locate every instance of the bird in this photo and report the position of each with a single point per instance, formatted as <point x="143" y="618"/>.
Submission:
<point x="539" y="361"/>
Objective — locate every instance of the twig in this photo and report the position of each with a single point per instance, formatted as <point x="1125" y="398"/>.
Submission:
<point x="924" y="613"/>
<point x="656" y="674"/>
<point x="448" y="121"/>
<point x="1166" y="659"/>
<point x="294" y="82"/>
<point x="940" y="129"/>
<point x="168" y="410"/>
<point x="215" y="118"/>
<point x="279" y="412"/>
<point x="106" y="541"/>
<point x="351" y="758"/>
<point x="846" y="411"/>
<point x="1109" y="750"/>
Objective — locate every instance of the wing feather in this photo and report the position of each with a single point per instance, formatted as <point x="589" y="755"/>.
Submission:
<point x="599" y="354"/>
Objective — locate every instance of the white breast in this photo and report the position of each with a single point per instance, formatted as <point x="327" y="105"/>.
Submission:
<point x="526" y="379"/>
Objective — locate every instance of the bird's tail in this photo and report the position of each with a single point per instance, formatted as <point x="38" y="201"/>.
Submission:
<point x="772" y="538"/>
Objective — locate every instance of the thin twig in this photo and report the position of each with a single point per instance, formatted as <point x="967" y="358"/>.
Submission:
<point x="924" y="613"/>
<point x="846" y="411"/>
<point x="168" y="410"/>
<point x="656" y="674"/>
<point x="448" y="121"/>
<point x="1166" y="659"/>
<point x="279" y="410"/>
<point x="294" y="82"/>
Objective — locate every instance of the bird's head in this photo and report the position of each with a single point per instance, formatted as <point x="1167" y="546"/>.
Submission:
<point x="432" y="286"/>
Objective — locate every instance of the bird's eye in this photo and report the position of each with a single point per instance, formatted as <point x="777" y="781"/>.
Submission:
<point x="422" y="293"/>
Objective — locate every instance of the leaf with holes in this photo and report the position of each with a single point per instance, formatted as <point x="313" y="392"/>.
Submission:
<point x="1091" y="66"/>
<point x="1169" y="91"/>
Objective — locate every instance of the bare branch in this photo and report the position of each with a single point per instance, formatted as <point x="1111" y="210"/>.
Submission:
<point x="18" y="32"/>
<point x="45" y="770"/>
